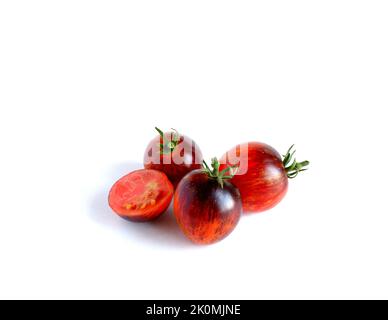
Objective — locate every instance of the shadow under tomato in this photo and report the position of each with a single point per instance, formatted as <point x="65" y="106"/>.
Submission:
<point x="163" y="231"/>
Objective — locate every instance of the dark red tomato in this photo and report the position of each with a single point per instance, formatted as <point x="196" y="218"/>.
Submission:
<point x="142" y="195"/>
<point x="262" y="176"/>
<point x="207" y="209"/>
<point x="174" y="154"/>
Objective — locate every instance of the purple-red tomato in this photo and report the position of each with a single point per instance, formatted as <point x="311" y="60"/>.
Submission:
<point x="142" y="195"/>
<point x="262" y="175"/>
<point x="174" y="154"/>
<point x="206" y="206"/>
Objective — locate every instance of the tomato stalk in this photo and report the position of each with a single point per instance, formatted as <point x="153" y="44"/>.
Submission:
<point x="291" y="165"/>
<point x="169" y="146"/>
<point x="215" y="172"/>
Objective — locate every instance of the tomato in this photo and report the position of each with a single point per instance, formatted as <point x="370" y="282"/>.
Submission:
<point x="142" y="195"/>
<point x="262" y="176"/>
<point x="174" y="154"/>
<point x="206" y="206"/>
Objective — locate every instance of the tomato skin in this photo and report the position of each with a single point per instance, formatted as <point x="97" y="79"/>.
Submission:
<point x="187" y="151"/>
<point x="142" y="195"/>
<point x="205" y="212"/>
<point x="265" y="183"/>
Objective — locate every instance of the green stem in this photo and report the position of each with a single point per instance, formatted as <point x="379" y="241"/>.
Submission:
<point x="215" y="172"/>
<point x="169" y="146"/>
<point x="291" y="166"/>
<point x="161" y="133"/>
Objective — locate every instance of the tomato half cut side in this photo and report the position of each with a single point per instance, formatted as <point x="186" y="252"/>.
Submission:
<point x="142" y="195"/>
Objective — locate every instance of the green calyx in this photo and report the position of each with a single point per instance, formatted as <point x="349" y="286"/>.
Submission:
<point x="215" y="172"/>
<point x="291" y="165"/>
<point x="168" y="146"/>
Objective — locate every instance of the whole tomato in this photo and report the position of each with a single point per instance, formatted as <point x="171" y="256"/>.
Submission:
<point x="207" y="206"/>
<point x="262" y="174"/>
<point x="174" y="154"/>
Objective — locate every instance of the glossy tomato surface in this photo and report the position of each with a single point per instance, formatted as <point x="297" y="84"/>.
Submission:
<point x="205" y="212"/>
<point x="265" y="182"/>
<point x="142" y="195"/>
<point x="175" y="164"/>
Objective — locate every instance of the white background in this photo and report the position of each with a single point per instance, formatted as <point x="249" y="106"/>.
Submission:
<point x="83" y="83"/>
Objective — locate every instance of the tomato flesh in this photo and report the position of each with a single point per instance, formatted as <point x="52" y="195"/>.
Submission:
<point x="142" y="195"/>
<point x="185" y="158"/>
<point x="205" y="211"/>
<point x="265" y="182"/>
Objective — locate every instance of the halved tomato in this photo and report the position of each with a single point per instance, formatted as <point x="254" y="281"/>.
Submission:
<point x="142" y="195"/>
